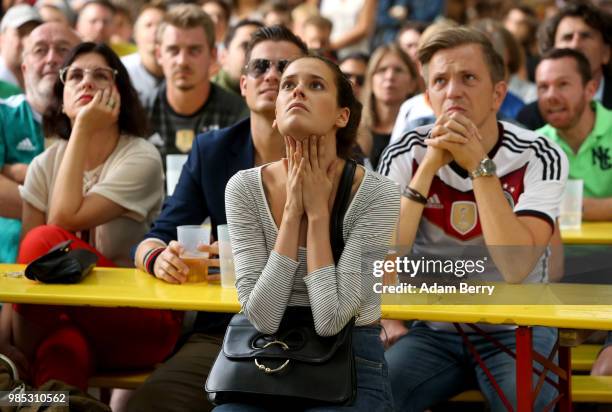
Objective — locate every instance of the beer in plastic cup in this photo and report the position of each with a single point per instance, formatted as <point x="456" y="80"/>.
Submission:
<point x="226" y="258"/>
<point x="190" y="237"/>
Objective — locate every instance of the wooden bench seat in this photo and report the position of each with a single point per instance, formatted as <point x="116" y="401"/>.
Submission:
<point x="583" y="357"/>
<point x="119" y="380"/>
<point x="585" y="388"/>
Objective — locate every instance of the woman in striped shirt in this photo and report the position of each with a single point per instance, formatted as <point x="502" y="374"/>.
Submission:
<point x="279" y="219"/>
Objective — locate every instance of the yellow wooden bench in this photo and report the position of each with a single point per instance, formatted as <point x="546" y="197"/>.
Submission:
<point x="130" y="380"/>
<point x="583" y="357"/>
<point x="585" y="388"/>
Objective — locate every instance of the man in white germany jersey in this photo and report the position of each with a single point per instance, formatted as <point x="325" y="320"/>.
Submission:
<point x="470" y="180"/>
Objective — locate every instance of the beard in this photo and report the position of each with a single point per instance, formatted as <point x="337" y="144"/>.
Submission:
<point x="573" y="118"/>
<point x="40" y="89"/>
<point x="184" y="87"/>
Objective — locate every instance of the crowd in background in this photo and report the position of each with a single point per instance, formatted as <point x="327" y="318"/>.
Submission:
<point x="374" y="41"/>
<point x="88" y="165"/>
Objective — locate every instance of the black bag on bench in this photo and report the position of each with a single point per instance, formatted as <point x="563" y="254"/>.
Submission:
<point x="62" y="265"/>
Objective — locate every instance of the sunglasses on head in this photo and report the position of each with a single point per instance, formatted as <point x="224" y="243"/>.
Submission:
<point x="358" y="79"/>
<point x="258" y="67"/>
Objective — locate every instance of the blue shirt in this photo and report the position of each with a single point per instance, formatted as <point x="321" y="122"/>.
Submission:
<point x="200" y="193"/>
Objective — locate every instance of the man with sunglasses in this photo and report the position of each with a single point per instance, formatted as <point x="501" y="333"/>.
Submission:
<point x="216" y="156"/>
<point x="187" y="103"/>
<point x="21" y="137"/>
<point x="354" y="66"/>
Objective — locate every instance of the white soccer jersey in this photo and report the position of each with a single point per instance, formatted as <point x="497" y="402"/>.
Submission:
<point x="531" y="168"/>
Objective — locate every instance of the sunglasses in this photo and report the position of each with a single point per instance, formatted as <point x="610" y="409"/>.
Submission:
<point x="358" y="79"/>
<point x="258" y="67"/>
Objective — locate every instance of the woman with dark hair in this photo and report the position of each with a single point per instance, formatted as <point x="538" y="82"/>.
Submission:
<point x="391" y="78"/>
<point x="279" y="221"/>
<point x="100" y="186"/>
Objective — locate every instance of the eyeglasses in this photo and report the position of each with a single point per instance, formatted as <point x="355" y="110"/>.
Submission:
<point x="40" y="51"/>
<point x="358" y="79"/>
<point x="102" y="76"/>
<point x="258" y="67"/>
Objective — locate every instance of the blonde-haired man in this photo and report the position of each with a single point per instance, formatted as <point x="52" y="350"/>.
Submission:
<point x="470" y="181"/>
<point x="187" y="103"/>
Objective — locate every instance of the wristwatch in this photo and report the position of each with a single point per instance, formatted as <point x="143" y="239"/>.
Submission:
<point x="486" y="167"/>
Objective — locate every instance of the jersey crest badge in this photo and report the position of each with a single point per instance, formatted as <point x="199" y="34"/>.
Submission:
<point x="184" y="139"/>
<point x="464" y="215"/>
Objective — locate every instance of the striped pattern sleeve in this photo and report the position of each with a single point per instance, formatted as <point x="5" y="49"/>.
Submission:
<point x="263" y="280"/>
<point x="396" y="161"/>
<point x="544" y="179"/>
<point x="337" y="292"/>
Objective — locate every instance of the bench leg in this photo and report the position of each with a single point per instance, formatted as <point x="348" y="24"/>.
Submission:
<point x="565" y="385"/>
<point x="524" y="370"/>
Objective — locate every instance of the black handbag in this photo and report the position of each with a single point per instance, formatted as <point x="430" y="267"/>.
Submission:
<point x="295" y="366"/>
<point x="62" y="265"/>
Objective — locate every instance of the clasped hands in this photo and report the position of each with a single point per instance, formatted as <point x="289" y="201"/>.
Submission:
<point x="455" y="137"/>
<point x="311" y="172"/>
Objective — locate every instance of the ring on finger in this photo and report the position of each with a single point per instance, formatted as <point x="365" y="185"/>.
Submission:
<point x="111" y="103"/>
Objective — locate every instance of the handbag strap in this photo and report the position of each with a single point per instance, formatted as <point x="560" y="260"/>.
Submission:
<point x="341" y="202"/>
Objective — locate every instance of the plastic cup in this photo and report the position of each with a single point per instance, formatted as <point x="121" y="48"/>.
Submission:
<point x="190" y="237"/>
<point x="174" y="165"/>
<point x="226" y="258"/>
<point x="570" y="216"/>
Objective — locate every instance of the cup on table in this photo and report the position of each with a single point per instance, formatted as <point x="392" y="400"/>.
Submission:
<point x="570" y="216"/>
<point x="226" y="258"/>
<point x="190" y="237"/>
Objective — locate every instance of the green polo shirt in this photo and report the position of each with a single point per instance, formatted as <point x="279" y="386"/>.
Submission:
<point x="593" y="162"/>
<point x="8" y="90"/>
<point x="223" y="79"/>
<point x="21" y="139"/>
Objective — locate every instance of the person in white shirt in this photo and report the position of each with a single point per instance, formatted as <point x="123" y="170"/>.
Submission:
<point x="16" y="25"/>
<point x="145" y="72"/>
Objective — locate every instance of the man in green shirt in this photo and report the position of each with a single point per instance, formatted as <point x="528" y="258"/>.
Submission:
<point x="581" y="126"/>
<point x="232" y="55"/>
<point x="583" y="129"/>
<point x="21" y="137"/>
<point x="8" y="90"/>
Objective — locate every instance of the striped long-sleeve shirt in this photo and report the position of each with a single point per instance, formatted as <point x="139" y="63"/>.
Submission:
<point x="268" y="282"/>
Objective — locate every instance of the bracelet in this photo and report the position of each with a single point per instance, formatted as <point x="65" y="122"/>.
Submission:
<point x="146" y="257"/>
<point x="150" y="258"/>
<point x="412" y="194"/>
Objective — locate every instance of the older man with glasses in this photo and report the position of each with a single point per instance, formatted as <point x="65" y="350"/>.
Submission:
<point x="215" y="157"/>
<point x="21" y="136"/>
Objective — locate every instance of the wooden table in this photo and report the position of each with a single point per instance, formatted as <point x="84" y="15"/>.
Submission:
<point x="591" y="308"/>
<point x="110" y="287"/>
<point x="589" y="233"/>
